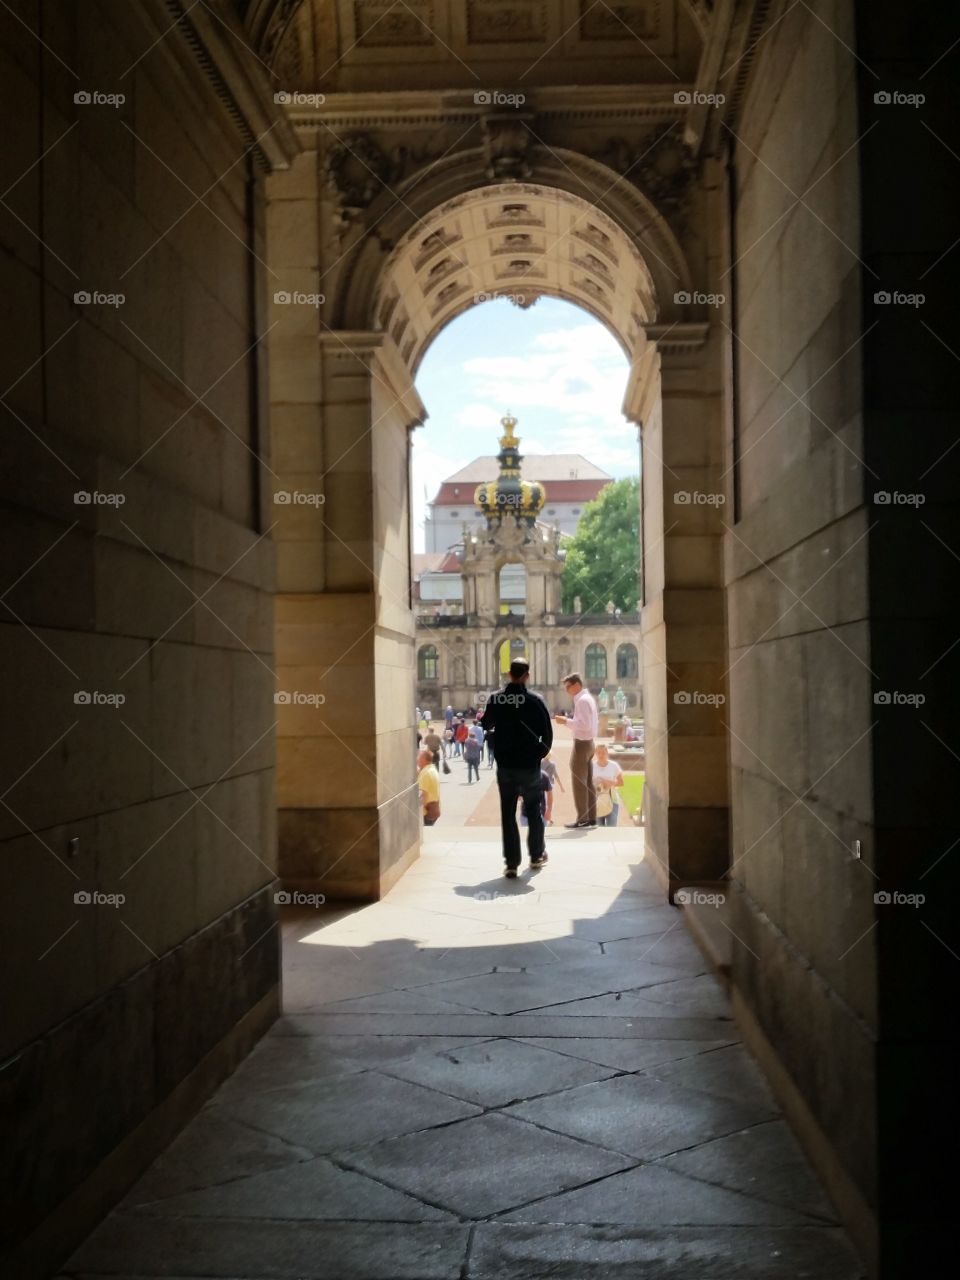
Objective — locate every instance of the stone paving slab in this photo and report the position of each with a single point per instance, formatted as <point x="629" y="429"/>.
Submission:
<point x="494" y="1073"/>
<point x="309" y="1190"/>
<point x="652" y="1196"/>
<point x="485" y="1165"/>
<point x="258" y="1250"/>
<point x="504" y="1251"/>
<point x="348" y="1111"/>
<point x="639" y="1116"/>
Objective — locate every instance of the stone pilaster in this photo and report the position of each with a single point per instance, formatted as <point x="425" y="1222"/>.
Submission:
<point x="676" y="403"/>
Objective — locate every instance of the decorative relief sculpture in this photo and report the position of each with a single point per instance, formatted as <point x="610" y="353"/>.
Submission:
<point x="659" y="165"/>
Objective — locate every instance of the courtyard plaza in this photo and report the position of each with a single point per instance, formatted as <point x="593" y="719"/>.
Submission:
<point x="484" y="1078"/>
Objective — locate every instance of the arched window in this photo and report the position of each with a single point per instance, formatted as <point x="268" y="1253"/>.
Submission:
<point x="628" y="662"/>
<point x="595" y="662"/>
<point x="428" y="663"/>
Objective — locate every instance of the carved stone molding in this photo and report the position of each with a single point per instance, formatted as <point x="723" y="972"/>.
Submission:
<point x="659" y="165"/>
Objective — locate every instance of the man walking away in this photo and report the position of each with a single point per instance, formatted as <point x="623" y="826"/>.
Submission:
<point x="522" y="736"/>
<point x="433" y="741"/>
<point x="584" y="724"/>
<point x="472" y="753"/>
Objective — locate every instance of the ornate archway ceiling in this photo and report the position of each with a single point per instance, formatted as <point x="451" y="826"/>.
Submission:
<point x="358" y="46"/>
<point x="518" y="241"/>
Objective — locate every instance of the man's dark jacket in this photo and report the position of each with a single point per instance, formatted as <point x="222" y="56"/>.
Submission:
<point x="521" y="727"/>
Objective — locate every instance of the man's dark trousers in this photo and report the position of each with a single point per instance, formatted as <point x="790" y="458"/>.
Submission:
<point x="514" y="783"/>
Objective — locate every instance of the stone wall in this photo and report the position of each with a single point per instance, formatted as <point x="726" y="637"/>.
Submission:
<point x="155" y="589"/>
<point x="796" y="574"/>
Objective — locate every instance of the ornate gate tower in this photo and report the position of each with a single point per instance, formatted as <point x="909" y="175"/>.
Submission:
<point x="510" y="506"/>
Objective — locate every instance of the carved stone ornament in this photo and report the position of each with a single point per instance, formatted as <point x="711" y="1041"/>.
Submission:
<point x="506" y="139"/>
<point x="659" y="165"/>
<point x="355" y="169"/>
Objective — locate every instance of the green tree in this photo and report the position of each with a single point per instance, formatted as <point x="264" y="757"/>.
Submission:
<point x="603" y="557"/>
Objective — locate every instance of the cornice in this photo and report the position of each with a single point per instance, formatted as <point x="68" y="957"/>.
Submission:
<point x="583" y="104"/>
<point x="213" y="58"/>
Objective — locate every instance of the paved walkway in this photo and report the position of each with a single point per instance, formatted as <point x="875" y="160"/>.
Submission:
<point x="478" y="1079"/>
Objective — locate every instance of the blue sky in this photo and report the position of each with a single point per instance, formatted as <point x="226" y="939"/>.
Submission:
<point x="556" y="368"/>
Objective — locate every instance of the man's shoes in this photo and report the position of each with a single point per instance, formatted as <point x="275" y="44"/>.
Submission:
<point x="573" y="826"/>
<point x="510" y="873"/>
<point x="537" y="863"/>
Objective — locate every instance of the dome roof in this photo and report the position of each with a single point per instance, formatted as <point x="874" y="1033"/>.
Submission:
<point x="509" y="493"/>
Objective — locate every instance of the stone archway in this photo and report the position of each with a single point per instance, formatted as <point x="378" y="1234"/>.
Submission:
<point x="502" y="218"/>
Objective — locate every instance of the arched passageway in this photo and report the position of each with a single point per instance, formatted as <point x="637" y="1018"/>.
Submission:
<point x="569" y="234"/>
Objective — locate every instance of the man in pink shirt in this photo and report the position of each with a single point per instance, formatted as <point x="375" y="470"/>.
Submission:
<point x="584" y="724"/>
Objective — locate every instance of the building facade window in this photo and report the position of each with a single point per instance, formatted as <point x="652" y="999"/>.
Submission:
<point x="595" y="662"/>
<point x="428" y="663"/>
<point x="628" y="662"/>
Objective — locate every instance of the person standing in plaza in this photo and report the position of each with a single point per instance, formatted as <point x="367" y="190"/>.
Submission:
<point x="522" y="734"/>
<point x="584" y="725"/>
<point x="607" y="778"/>
<point x="428" y="784"/>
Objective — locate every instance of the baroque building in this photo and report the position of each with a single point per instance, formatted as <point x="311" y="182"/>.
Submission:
<point x="462" y="656"/>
